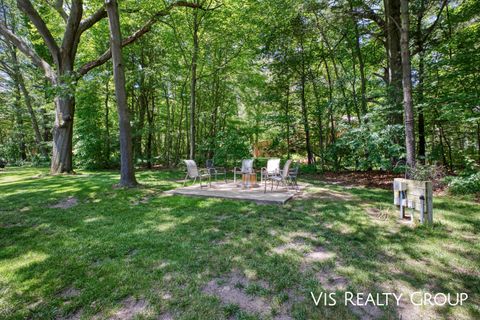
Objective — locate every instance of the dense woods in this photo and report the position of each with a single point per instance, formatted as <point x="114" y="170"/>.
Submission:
<point x="335" y="84"/>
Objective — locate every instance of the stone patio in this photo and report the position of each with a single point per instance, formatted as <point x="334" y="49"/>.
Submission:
<point x="231" y="190"/>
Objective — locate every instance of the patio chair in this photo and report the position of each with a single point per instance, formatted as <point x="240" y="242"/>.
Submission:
<point x="216" y="170"/>
<point x="247" y="168"/>
<point x="194" y="173"/>
<point x="281" y="177"/>
<point x="273" y="168"/>
<point x="292" y="177"/>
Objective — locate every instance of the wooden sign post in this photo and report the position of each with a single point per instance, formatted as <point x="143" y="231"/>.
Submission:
<point x="415" y="195"/>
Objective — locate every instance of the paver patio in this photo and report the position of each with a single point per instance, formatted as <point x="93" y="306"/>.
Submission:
<point x="231" y="190"/>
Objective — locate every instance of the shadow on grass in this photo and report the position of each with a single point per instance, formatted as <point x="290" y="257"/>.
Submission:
<point x="110" y="246"/>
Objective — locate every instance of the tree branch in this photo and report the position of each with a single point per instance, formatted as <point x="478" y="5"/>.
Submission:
<point x="26" y="7"/>
<point x="58" y="6"/>
<point x="69" y="44"/>
<point x="134" y="36"/>
<point x="25" y="49"/>
<point x="87" y="23"/>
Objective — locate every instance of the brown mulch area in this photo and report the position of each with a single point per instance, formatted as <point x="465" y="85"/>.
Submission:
<point x="368" y="179"/>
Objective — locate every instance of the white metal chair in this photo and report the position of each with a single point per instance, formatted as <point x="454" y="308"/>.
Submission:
<point x="281" y="177"/>
<point x="272" y="168"/>
<point x="193" y="173"/>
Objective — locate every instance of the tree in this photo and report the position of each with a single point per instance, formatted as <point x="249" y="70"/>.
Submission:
<point x="127" y="171"/>
<point x="407" y="86"/>
<point x="61" y="74"/>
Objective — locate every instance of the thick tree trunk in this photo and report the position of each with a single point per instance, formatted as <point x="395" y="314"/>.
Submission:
<point x="407" y="86"/>
<point x="127" y="172"/>
<point x="62" y="135"/>
<point x="193" y="85"/>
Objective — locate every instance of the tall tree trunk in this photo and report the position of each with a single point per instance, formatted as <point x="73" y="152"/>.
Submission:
<point x="421" y="116"/>
<point x="150" y="118"/>
<point x="28" y="103"/>
<point x="478" y="141"/>
<point x="319" y="123"/>
<point x="287" y="117"/>
<point x="407" y="86"/>
<point x="107" y="124"/>
<point x="306" y="126"/>
<point x="361" y="62"/>
<point x="193" y="84"/>
<point x="62" y="134"/>
<point x="19" y="125"/>
<point x="127" y="172"/>
<point x="392" y="17"/>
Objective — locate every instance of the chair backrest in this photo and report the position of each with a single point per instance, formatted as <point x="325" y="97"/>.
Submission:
<point x="191" y="168"/>
<point x="209" y="164"/>
<point x="294" y="172"/>
<point x="247" y="165"/>
<point x="273" y="165"/>
<point x="286" y="168"/>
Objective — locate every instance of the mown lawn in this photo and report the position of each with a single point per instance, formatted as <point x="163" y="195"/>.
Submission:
<point x="143" y="254"/>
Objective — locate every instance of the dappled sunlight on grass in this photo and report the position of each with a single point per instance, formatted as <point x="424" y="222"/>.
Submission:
<point x="118" y="243"/>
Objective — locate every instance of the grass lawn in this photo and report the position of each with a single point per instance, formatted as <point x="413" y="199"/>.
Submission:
<point x="73" y="247"/>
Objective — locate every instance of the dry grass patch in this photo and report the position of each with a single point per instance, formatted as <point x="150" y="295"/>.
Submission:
<point x="66" y="203"/>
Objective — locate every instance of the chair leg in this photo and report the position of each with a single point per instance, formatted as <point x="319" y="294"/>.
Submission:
<point x="185" y="180"/>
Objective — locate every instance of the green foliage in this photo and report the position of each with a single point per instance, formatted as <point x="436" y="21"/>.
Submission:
<point x="467" y="184"/>
<point x="232" y="145"/>
<point x="90" y="136"/>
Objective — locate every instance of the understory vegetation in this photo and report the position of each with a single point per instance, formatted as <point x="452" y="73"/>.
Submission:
<point x="317" y="81"/>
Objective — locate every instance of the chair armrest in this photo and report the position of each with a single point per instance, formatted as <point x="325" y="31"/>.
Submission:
<point x="204" y="171"/>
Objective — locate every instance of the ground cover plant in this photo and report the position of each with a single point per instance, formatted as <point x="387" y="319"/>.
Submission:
<point x="73" y="247"/>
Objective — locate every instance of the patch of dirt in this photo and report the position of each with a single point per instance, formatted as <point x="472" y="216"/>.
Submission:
<point x="296" y="245"/>
<point x="131" y="308"/>
<point x="72" y="316"/>
<point x="367" y="312"/>
<point x="66" y="203"/>
<point x="69" y="293"/>
<point x="165" y="316"/>
<point x="331" y="281"/>
<point x="143" y="200"/>
<point x="318" y="254"/>
<point x="230" y="289"/>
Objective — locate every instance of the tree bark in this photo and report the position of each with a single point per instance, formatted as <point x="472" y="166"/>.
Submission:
<point x="392" y="11"/>
<point x="361" y="62"/>
<point x="62" y="135"/>
<point x="407" y="86"/>
<point x="127" y="171"/>
<point x="193" y="85"/>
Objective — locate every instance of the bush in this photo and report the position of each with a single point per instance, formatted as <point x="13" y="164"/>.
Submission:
<point x="464" y="184"/>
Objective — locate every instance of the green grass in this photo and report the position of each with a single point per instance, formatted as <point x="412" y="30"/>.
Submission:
<point x="140" y="243"/>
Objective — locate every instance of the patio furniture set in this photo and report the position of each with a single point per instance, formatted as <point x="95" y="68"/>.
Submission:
<point x="287" y="176"/>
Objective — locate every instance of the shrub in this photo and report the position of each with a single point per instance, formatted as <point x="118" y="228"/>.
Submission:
<point x="464" y="184"/>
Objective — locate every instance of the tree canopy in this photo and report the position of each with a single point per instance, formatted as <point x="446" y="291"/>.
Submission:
<point x="317" y="81"/>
